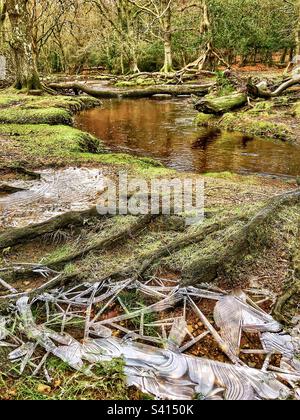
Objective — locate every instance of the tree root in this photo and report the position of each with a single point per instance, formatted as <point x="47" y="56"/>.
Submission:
<point x="141" y="265"/>
<point x="106" y="243"/>
<point x="20" y="170"/>
<point x="261" y="91"/>
<point x="292" y="290"/>
<point x="294" y="287"/>
<point x="17" y="236"/>
<point x="8" y="189"/>
<point x="234" y="248"/>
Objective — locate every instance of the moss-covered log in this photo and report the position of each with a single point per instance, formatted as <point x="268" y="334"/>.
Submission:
<point x="221" y="105"/>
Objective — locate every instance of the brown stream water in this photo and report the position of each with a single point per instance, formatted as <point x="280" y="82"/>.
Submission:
<point x="165" y="130"/>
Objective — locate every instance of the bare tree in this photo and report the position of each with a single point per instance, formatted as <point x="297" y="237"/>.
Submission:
<point x="160" y="12"/>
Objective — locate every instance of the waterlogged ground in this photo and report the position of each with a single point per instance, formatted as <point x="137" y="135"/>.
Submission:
<point x="165" y="129"/>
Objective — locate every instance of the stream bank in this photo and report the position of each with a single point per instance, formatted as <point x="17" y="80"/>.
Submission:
<point x="96" y="247"/>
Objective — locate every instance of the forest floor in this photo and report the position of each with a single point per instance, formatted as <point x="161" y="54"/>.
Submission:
<point x="36" y="133"/>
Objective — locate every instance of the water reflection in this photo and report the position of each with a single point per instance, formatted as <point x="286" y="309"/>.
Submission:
<point x="165" y="130"/>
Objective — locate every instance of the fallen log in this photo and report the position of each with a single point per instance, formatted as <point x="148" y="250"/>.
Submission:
<point x="232" y="249"/>
<point x="199" y="90"/>
<point x="221" y="105"/>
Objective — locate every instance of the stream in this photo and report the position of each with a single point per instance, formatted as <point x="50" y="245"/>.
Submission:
<point x="165" y="130"/>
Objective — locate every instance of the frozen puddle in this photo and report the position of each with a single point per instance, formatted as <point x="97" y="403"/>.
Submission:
<point x="57" y="191"/>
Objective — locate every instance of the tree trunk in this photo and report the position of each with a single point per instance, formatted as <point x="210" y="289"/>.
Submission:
<point x="26" y="73"/>
<point x="167" y="34"/>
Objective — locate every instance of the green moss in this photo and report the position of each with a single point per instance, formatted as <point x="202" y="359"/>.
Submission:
<point x="260" y="107"/>
<point x="140" y="81"/>
<point x="9" y="100"/>
<point x="264" y="128"/>
<point x="72" y="104"/>
<point x="125" y="84"/>
<point x="108" y="383"/>
<point x="58" y="253"/>
<point x="49" y="115"/>
<point x="297" y="109"/>
<point x="204" y="119"/>
<point x="145" y="166"/>
<point x="224" y="175"/>
<point x="46" y="141"/>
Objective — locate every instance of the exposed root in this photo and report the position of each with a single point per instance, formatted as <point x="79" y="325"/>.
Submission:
<point x="141" y="265"/>
<point x="20" y="170"/>
<point x="233" y="249"/>
<point x="294" y="287"/>
<point x="16" y="236"/>
<point x="8" y="189"/>
<point x="106" y="243"/>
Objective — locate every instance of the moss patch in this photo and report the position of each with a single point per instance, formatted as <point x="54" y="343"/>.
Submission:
<point x="297" y="109"/>
<point x="108" y="384"/>
<point x="243" y="123"/>
<point x="45" y="140"/>
<point x="69" y="103"/>
<point x="203" y="120"/>
<point x="137" y="82"/>
<point x="63" y="145"/>
<point x="8" y="100"/>
<point x="49" y="115"/>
